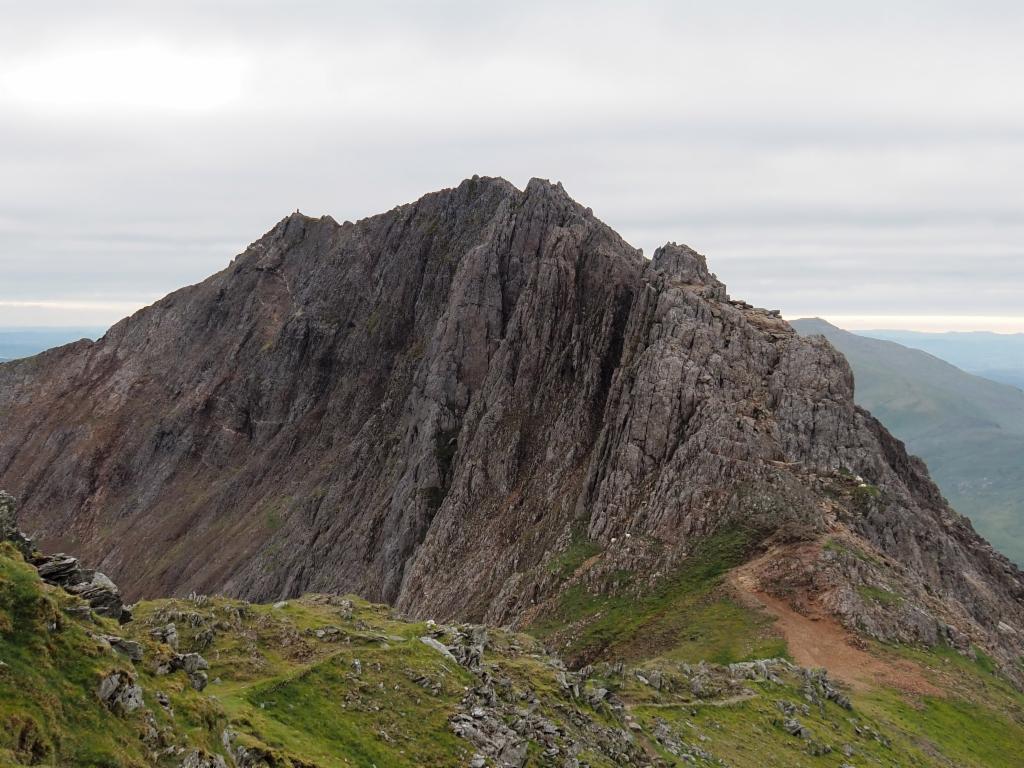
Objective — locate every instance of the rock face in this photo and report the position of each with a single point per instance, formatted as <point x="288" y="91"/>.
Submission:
<point x="427" y="406"/>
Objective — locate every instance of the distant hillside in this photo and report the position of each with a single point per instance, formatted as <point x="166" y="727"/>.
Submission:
<point x="996" y="356"/>
<point x="25" y="342"/>
<point x="968" y="429"/>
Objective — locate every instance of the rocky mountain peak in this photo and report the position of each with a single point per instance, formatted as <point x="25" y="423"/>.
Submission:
<point x="685" y="263"/>
<point x="434" y="405"/>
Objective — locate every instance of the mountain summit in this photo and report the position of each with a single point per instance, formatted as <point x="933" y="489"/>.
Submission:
<point x="468" y="406"/>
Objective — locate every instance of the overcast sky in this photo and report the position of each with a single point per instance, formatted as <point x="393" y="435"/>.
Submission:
<point x="861" y="161"/>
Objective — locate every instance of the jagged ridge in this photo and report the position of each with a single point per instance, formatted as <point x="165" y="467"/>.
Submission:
<point x="429" y="406"/>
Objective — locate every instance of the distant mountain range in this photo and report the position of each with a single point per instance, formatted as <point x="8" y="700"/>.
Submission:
<point x="969" y="430"/>
<point x="996" y="356"/>
<point x="24" y="342"/>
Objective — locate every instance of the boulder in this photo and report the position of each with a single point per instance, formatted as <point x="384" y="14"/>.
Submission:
<point x="120" y="693"/>
<point x="191" y="662"/>
<point x="200" y="759"/>
<point x="59" y="569"/>
<point x="166" y="634"/>
<point x="129" y="648"/>
<point x="95" y="588"/>
<point x="101" y="593"/>
<point x="198" y="680"/>
<point x="438" y="646"/>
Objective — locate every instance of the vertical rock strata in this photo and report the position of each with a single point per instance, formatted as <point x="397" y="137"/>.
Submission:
<point x="431" y="405"/>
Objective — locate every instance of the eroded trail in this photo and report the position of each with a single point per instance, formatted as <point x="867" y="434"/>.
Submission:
<point x="820" y="641"/>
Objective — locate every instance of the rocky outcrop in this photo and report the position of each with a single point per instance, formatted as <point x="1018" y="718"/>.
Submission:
<point x="93" y="587"/>
<point x="199" y="759"/>
<point x="431" y="405"/>
<point x="194" y="666"/>
<point x="130" y="648"/>
<point x="8" y="516"/>
<point x="9" y="525"/>
<point x="120" y="693"/>
<point x="98" y="591"/>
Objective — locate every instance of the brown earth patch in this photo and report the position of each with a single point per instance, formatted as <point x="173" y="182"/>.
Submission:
<point x="816" y="639"/>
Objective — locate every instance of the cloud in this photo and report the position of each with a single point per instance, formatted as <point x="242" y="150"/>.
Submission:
<point x="823" y="157"/>
<point x="107" y="76"/>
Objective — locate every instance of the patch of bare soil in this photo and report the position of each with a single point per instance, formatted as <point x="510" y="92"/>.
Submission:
<point x="816" y="639"/>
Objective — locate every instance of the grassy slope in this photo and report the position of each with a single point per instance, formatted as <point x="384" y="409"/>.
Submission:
<point x="978" y="352"/>
<point x="299" y="699"/>
<point x="49" y="711"/>
<point x="687" y="617"/>
<point x="691" y="618"/>
<point x="980" y="723"/>
<point x="302" y="698"/>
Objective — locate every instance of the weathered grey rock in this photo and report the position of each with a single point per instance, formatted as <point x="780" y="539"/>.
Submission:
<point x="198" y="680"/>
<point x="200" y="759"/>
<point x="95" y="588"/>
<point x="130" y="648"/>
<point x="59" y="569"/>
<point x="166" y="634"/>
<point x="9" y="526"/>
<point x="120" y="693"/>
<point x="8" y="516"/>
<point x="438" y="646"/>
<point x="514" y="372"/>
<point x="493" y="738"/>
<point x="793" y="727"/>
<point x="468" y="646"/>
<point x="328" y="634"/>
<point x="598" y="695"/>
<point x="246" y="757"/>
<point x="100" y="592"/>
<point x="686" y="265"/>
<point x="190" y="662"/>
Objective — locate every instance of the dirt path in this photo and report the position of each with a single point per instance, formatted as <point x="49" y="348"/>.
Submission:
<point x="820" y="641"/>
